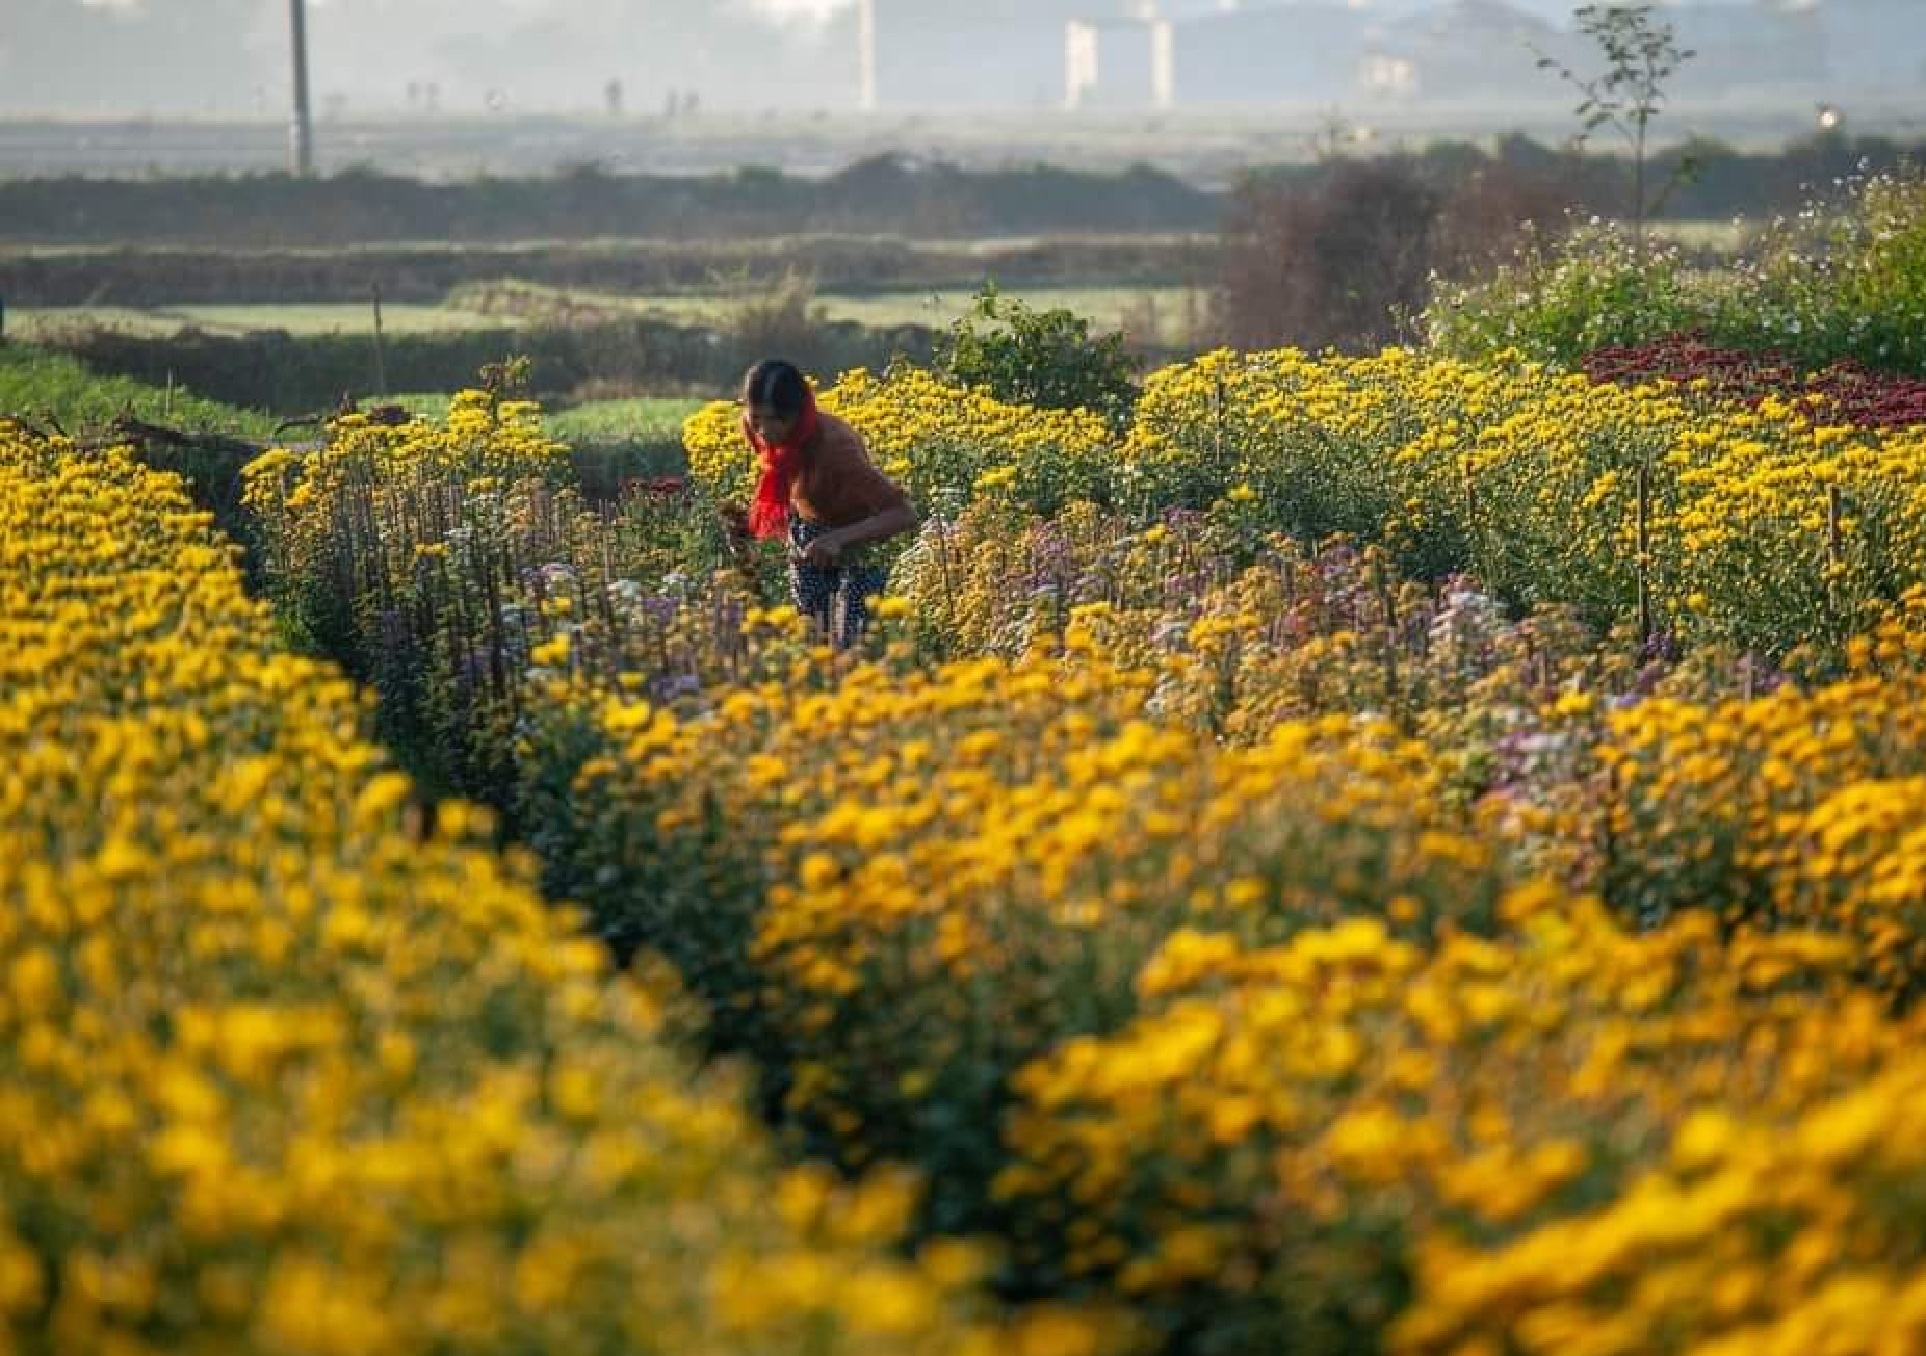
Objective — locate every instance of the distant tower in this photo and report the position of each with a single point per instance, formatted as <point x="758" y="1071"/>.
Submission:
<point x="866" y="97"/>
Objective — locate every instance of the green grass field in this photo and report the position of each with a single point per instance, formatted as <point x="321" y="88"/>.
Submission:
<point x="46" y="324"/>
<point x="1163" y="309"/>
<point x="643" y="419"/>
<point x="639" y="436"/>
<point x="43" y="387"/>
<point x="638" y="419"/>
<point x="614" y="440"/>
<point x="1155" y="314"/>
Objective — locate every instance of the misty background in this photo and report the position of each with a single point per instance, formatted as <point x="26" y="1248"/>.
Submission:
<point x="446" y="88"/>
<point x="381" y="58"/>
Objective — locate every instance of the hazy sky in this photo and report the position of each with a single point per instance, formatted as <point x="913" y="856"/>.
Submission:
<point x="1555" y="10"/>
<point x="223" y="58"/>
<point x="806" y="7"/>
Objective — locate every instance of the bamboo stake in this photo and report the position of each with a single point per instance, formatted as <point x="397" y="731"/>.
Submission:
<point x="1644" y="557"/>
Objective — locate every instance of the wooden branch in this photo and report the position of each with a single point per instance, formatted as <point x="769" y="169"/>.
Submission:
<point x="127" y="428"/>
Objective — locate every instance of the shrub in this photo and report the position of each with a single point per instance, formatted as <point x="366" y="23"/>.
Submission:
<point x="1043" y="358"/>
<point x="1559" y="297"/>
<point x="1491" y="207"/>
<point x="1333" y="263"/>
<point x="1838" y="282"/>
<point x="1845" y="281"/>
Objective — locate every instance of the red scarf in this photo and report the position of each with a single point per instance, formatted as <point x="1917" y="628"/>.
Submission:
<point x="769" y="514"/>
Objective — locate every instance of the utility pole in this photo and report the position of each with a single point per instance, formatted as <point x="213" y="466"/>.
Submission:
<point x="303" y="130"/>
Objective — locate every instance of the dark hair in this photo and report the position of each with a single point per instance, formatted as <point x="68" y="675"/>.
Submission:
<point x="773" y="384"/>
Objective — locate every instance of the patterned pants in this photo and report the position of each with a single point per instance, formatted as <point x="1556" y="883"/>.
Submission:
<point x="836" y="599"/>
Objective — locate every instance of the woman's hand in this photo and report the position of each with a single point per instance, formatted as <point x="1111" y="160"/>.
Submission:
<point x="827" y="551"/>
<point x="735" y="521"/>
<point x="823" y="553"/>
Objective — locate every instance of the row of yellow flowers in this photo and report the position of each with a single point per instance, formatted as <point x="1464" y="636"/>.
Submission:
<point x="282" y="1070"/>
<point x="1767" y="528"/>
<point x="1562" y="1139"/>
<point x="929" y="877"/>
<point x="1800" y="808"/>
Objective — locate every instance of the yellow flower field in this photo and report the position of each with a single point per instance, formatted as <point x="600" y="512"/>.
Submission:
<point x="1388" y="854"/>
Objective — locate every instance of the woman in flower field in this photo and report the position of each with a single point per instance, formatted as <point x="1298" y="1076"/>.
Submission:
<point x="820" y="488"/>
